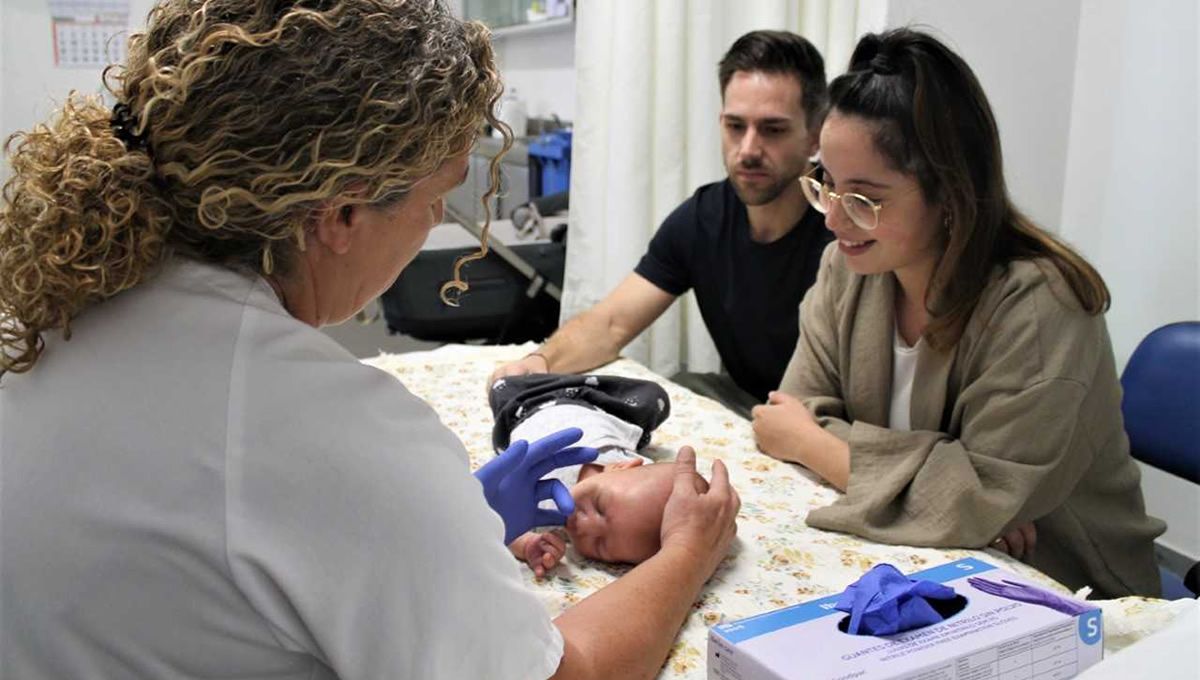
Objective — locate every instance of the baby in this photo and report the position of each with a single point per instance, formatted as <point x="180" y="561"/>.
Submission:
<point x="619" y="498"/>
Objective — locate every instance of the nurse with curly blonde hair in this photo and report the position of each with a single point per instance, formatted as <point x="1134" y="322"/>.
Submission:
<point x="197" y="482"/>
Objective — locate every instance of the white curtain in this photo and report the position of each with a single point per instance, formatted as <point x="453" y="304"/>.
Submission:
<point x="647" y="135"/>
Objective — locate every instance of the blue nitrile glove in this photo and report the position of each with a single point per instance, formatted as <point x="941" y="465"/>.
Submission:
<point x="1030" y="594"/>
<point x="886" y="602"/>
<point x="513" y="485"/>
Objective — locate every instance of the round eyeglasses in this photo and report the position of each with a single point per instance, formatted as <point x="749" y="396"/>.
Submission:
<point x="862" y="211"/>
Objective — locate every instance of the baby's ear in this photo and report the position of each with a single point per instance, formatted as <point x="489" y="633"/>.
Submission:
<point x="624" y="464"/>
<point x="589" y="469"/>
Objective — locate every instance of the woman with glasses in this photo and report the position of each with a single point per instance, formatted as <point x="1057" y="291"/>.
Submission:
<point x="954" y="376"/>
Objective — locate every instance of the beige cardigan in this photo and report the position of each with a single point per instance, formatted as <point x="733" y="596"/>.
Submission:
<point x="1020" y="421"/>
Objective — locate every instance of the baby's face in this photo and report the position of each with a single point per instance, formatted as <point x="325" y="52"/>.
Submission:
<point x="618" y="512"/>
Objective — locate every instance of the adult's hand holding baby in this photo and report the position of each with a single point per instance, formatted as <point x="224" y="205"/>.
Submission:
<point x="513" y="485"/>
<point x="701" y="521"/>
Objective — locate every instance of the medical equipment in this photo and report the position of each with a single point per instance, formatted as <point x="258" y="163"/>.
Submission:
<point x="886" y="602"/>
<point x="990" y="637"/>
<point x="1026" y="593"/>
<point x="513" y="297"/>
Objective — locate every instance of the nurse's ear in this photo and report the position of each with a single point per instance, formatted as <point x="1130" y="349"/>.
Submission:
<point x="335" y="225"/>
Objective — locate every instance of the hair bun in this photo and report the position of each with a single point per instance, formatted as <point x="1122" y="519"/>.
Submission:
<point x="868" y="47"/>
<point x="883" y="65"/>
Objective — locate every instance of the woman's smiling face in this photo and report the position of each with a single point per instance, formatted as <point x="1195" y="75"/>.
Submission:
<point x="909" y="236"/>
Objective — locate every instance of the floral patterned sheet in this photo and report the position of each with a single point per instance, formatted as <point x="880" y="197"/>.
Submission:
<point x="777" y="559"/>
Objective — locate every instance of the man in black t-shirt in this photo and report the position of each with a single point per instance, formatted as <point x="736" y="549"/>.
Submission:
<point x="748" y="292"/>
<point x="749" y="245"/>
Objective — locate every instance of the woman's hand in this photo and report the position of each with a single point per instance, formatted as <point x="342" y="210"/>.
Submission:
<point x="784" y="429"/>
<point x="1017" y="542"/>
<point x="699" y="521"/>
<point x="781" y="425"/>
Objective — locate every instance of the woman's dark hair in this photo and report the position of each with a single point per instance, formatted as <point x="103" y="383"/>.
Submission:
<point x="932" y="120"/>
<point x="786" y="53"/>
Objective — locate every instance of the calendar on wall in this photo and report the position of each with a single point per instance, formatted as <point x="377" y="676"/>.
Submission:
<point x="89" y="33"/>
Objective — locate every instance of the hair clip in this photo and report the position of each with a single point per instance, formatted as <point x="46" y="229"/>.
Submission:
<point x="124" y="126"/>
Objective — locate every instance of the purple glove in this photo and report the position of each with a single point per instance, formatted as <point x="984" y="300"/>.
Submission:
<point x="885" y="602"/>
<point x="1029" y="594"/>
<point x="513" y="485"/>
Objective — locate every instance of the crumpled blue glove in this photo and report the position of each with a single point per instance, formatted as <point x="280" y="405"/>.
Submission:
<point x="513" y="485"/>
<point x="1029" y="594"/>
<point x="885" y="602"/>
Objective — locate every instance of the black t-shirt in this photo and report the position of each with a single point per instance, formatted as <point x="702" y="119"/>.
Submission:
<point x="749" y="293"/>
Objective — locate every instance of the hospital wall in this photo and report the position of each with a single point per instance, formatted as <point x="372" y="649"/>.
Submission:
<point x="539" y="65"/>
<point x="1130" y="195"/>
<point x="30" y="84"/>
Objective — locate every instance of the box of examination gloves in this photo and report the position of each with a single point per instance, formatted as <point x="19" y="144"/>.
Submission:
<point x="1008" y="628"/>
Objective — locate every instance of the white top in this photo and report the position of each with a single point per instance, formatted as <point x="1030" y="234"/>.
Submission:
<point x="904" y="369"/>
<point x="616" y="439"/>
<point x="199" y="485"/>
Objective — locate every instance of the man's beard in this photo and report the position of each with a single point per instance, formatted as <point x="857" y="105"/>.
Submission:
<point x="761" y="195"/>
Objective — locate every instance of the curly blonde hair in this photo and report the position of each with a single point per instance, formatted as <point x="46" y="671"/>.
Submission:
<point x="254" y="112"/>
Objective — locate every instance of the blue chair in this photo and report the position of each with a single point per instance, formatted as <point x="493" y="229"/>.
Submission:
<point x="1161" y="407"/>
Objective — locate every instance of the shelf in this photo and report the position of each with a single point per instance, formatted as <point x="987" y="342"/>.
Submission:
<point x="511" y="17"/>
<point x="536" y="27"/>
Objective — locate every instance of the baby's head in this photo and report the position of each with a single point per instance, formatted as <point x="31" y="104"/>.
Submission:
<point x="619" y="509"/>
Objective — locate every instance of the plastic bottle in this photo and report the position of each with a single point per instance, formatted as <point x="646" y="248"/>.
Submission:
<point x="512" y="112"/>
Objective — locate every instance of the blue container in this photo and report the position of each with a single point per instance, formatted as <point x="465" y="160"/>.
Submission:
<point x="550" y="164"/>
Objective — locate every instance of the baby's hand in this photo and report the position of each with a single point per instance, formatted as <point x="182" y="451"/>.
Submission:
<point x="542" y="551"/>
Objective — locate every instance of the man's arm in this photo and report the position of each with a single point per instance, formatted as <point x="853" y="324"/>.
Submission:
<point x="597" y="335"/>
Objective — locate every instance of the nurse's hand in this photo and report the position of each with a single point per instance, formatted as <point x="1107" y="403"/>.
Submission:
<point x="780" y="426"/>
<point x="513" y="485"/>
<point x="699" y="518"/>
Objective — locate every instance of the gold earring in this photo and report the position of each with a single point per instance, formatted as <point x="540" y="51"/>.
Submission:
<point x="268" y="261"/>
